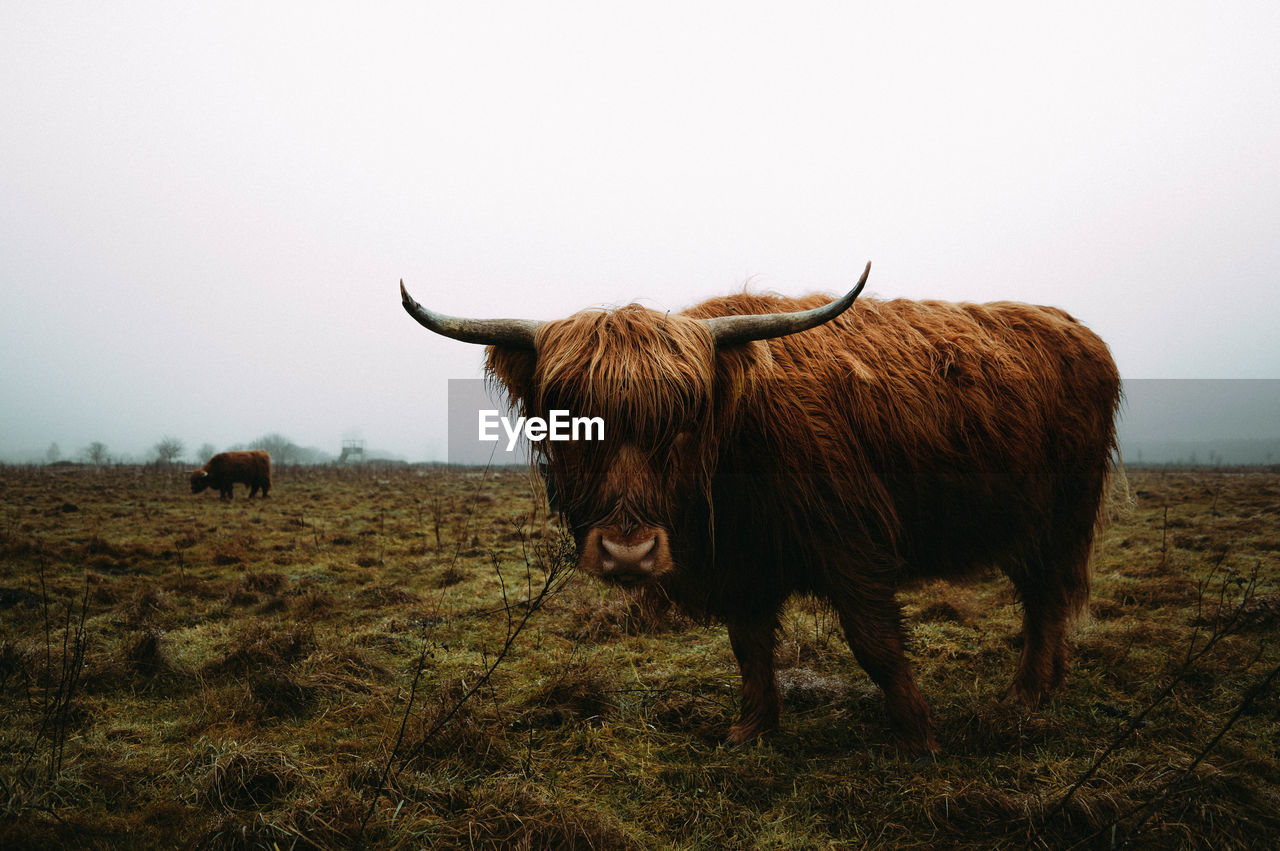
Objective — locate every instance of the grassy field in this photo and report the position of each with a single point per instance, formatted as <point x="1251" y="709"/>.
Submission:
<point x="402" y="658"/>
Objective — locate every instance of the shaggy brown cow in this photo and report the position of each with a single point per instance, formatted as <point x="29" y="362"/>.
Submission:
<point x="252" y="468"/>
<point x="889" y="442"/>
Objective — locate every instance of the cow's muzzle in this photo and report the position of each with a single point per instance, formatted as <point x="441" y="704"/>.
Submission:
<point x="626" y="558"/>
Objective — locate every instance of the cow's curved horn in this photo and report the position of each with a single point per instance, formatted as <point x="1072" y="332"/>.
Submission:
<point x="728" y="330"/>
<point x="512" y="333"/>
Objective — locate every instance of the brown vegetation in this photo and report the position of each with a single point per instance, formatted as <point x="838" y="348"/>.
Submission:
<point x="183" y="672"/>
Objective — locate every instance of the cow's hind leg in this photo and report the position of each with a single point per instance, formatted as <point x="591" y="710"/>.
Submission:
<point x="872" y="622"/>
<point x="1044" y="649"/>
<point x="1054" y="587"/>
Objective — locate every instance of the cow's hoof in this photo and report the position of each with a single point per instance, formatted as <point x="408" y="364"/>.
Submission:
<point x="924" y="760"/>
<point x="1028" y="695"/>
<point x="743" y="732"/>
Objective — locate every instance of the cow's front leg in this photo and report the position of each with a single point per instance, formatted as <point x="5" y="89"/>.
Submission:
<point x="752" y="639"/>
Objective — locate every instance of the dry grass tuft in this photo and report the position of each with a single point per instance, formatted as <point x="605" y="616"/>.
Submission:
<point x="147" y="606"/>
<point x="600" y="621"/>
<point x="248" y="776"/>
<point x="515" y="814"/>
<point x="579" y="695"/>
<point x="311" y="604"/>
<point x="333" y="819"/>
<point x="260" y="647"/>
<point x="10" y="597"/>
<point x="281" y="694"/>
<point x="954" y="611"/>
<point x="144" y="655"/>
<point x="452" y="575"/>
<point x="229" y="831"/>
<point x="387" y="595"/>
<point x="265" y="582"/>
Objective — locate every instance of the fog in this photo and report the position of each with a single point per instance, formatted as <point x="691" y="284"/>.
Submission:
<point x="205" y="211"/>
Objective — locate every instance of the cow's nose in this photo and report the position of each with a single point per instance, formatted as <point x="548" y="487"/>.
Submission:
<point x="629" y="555"/>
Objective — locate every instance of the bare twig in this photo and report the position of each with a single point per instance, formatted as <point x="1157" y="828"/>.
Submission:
<point x="554" y="578"/>
<point x="1225" y="627"/>
<point x="57" y="696"/>
<point x="1251" y="694"/>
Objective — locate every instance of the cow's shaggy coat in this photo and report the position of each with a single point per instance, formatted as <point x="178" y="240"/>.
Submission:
<point x="224" y="470"/>
<point x="903" y="439"/>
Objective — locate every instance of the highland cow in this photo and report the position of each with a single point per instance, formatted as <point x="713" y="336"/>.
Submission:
<point x="224" y="470"/>
<point x="760" y="447"/>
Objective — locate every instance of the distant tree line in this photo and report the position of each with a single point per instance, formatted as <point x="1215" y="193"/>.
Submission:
<point x="285" y="451"/>
<point x="170" y="450"/>
<point x="1200" y="453"/>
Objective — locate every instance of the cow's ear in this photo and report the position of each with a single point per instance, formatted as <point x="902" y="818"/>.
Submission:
<point x="740" y="371"/>
<point x="514" y="368"/>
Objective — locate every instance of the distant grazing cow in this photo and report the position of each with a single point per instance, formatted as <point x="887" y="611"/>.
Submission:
<point x="252" y="468"/>
<point x="759" y="447"/>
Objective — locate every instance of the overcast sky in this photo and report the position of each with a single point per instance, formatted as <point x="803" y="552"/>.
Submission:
<point x="205" y="210"/>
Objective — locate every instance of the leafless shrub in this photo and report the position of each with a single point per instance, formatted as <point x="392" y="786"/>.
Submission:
<point x="1234" y="602"/>
<point x="30" y="779"/>
<point x="546" y="558"/>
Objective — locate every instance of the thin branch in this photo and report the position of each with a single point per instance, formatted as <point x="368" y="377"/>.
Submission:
<point x="1225" y="627"/>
